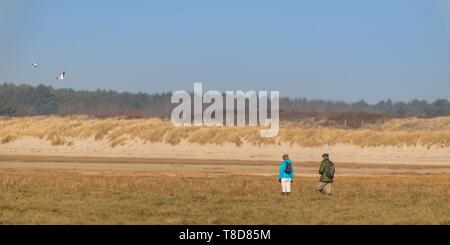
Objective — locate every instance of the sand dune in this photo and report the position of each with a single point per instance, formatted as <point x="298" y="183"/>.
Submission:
<point x="411" y="141"/>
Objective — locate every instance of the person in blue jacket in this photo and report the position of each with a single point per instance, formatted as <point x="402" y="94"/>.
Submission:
<point x="286" y="175"/>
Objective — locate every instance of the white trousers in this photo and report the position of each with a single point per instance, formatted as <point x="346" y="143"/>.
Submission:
<point x="285" y="185"/>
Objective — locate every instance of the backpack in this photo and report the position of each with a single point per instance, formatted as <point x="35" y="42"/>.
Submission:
<point x="288" y="169"/>
<point x="329" y="170"/>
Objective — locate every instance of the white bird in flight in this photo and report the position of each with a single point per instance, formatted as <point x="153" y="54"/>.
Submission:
<point x="61" y="76"/>
<point x="35" y="65"/>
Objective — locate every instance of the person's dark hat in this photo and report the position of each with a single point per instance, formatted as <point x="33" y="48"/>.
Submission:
<point x="325" y="155"/>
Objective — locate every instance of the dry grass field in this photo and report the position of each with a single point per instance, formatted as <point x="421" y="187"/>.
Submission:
<point x="82" y="170"/>
<point x="71" y="197"/>
<point x="62" y="131"/>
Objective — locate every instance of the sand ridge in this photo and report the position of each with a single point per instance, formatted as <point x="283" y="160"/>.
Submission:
<point x="418" y="155"/>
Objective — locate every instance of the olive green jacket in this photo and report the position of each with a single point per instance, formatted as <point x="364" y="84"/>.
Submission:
<point x="323" y="176"/>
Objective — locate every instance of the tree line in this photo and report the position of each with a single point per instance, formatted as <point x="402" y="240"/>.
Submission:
<point x="26" y="100"/>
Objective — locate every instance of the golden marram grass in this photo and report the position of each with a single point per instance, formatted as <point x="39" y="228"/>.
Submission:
<point x="62" y="130"/>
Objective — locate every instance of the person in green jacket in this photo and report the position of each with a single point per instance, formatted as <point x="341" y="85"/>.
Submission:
<point x="325" y="185"/>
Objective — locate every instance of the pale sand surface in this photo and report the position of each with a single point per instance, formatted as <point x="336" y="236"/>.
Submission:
<point x="98" y="157"/>
<point x="418" y="155"/>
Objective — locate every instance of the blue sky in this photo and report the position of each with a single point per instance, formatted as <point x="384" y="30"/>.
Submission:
<point x="339" y="50"/>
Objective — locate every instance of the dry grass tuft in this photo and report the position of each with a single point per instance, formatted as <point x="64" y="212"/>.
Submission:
<point x="8" y="138"/>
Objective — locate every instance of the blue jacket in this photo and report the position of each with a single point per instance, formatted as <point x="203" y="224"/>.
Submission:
<point x="283" y="173"/>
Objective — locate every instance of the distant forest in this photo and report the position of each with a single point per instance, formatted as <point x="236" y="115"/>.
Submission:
<point x="26" y="100"/>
